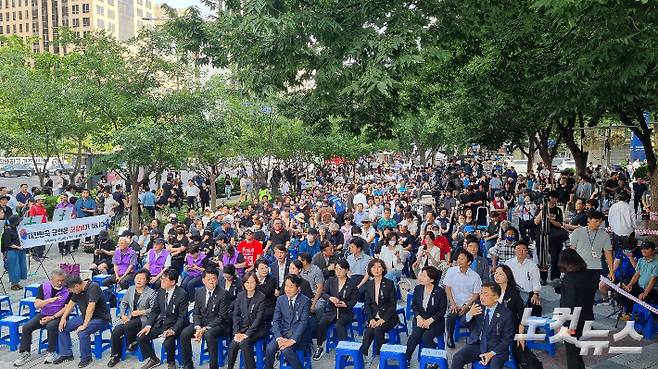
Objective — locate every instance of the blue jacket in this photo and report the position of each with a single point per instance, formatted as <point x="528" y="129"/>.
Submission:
<point x="500" y="333"/>
<point x="287" y="325"/>
<point x="312" y="249"/>
<point x="82" y="203"/>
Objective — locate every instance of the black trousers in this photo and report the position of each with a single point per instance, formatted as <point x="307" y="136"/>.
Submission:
<point x="341" y="323"/>
<point x="52" y="328"/>
<point x="574" y="359"/>
<point x="128" y="329"/>
<point x="169" y="344"/>
<point x="377" y="334"/>
<point x="425" y="335"/>
<point x="124" y="284"/>
<point x="471" y="352"/>
<point x="635" y="291"/>
<point x="527" y="229"/>
<point x="247" y="352"/>
<point x="554" y="248"/>
<point x="289" y="353"/>
<point x="451" y="321"/>
<point x="211" y="336"/>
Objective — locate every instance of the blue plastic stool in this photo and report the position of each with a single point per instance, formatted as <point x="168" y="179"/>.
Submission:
<point x="259" y="350"/>
<point x="393" y="352"/>
<point x="332" y="340"/>
<point x="125" y="352"/>
<point x="13" y="339"/>
<point x="43" y="343"/>
<point x="33" y="289"/>
<point x="5" y="310"/>
<point x="644" y="321"/>
<point x="510" y="363"/>
<point x="394" y="336"/>
<point x="402" y="326"/>
<point x="119" y="296"/>
<point x="359" y="317"/>
<point x="351" y="349"/>
<point x="303" y="355"/>
<point x="102" y="344"/>
<point x="178" y="353"/>
<point x="222" y="350"/>
<point x="410" y="298"/>
<point x="546" y="345"/>
<point x="432" y="356"/>
<point x="108" y="293"/>
<point x="440" y="345"/>
<point x="27" y="302"/>
<point x="99" y="278"/>
<point x="458" y="334"/>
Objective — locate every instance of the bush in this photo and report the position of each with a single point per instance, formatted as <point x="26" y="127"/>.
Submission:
<point x="569" y="171"/>
<point x="641" y="172"/>
<point x="219" y="185"/>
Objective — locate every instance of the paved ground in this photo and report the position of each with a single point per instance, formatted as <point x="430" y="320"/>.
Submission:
<point x="625" y="361"/>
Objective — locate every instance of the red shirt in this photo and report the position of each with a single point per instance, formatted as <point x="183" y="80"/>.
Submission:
<point x="38" y="210"/>
<point x="251" y="250"/>
<point x="443" y="244"/>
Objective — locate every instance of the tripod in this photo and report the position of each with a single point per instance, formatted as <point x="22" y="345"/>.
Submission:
<point x="617" y="308"/>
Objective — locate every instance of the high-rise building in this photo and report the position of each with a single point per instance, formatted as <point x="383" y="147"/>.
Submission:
<point x="42" y="18"/>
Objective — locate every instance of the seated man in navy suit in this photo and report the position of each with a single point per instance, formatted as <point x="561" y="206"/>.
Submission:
<point x="289" y="324"/>
<point x="492" y="331"/>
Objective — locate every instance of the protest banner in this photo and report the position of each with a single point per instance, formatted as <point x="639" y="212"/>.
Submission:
<point x="47" y="233"/>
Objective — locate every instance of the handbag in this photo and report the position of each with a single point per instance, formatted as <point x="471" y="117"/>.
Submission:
<point x="70" y="269"/>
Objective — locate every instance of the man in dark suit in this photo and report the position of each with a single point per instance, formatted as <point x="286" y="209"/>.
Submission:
<point x="289" y="324"/>
<point x="492" y="331"/>
<point x="166" y="320"/>
<point x="211" y="319"/>
<point x="326" y="259"/>
<point x="280" y="267"/>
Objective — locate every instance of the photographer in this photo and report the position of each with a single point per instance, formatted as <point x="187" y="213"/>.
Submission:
<point x="557" y="235"/>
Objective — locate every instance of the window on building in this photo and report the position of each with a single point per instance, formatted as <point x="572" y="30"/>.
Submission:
<point x="111" y="27"/>
<point x="20" y="28"/>
<point x="0" y="17"/>
<point x="148" y="4"/>
<point x="110" y="13"/>
<point x="35" y="27"/>
<point x="13" y="3"/>
<point x="140" y="2"/>
<point x="100" y="23"/>
<point x="20" y="15"/>
<point x="13" y="28"/>
<point x="149" y="15"/>
<point x="110" y="2"/>
<point x="7" y="28"/>
<point x="85" y="8"/>
<point x="86" y="22"/>
<point x="27" y="27"/>
<point x="65" y="21"/>
<point x="76" y="22"/>
<point x="100" y="10"/>
<point x="140" y="13"/>
<point x="75" y="9"/>
<point x="13" y="15"/>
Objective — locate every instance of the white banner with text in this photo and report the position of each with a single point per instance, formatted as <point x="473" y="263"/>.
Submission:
<point x="41" y="234"/>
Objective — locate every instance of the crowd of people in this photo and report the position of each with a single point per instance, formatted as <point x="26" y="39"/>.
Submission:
<point x="300" y="255"/>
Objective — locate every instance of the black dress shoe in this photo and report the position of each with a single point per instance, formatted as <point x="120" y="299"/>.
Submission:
<point x="113" y="361"/>
<point x="84" y="363"/>
<point x="450" y="343"/>
<point x="62" y="359"/>
<point x="151" y="363"/>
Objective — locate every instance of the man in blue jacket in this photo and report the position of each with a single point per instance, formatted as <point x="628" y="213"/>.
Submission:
<point x="492" y="331"/>
<point x="289" y="324"/>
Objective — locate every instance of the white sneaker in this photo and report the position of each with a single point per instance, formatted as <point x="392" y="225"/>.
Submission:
<point x="22" y="359"/>
<point x="50" y="357"/>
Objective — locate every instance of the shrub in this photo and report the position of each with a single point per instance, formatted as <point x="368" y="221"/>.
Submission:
<point x="641" y="172"/>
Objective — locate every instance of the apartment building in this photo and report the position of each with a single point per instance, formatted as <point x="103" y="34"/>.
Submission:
<point x="43" y="18"/>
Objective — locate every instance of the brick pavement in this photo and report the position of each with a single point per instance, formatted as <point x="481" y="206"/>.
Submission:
<point x="647" y="360"/>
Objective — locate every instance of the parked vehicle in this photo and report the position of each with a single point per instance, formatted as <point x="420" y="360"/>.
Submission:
<point x="16" y="170"/>
<point x="60" y="169"/>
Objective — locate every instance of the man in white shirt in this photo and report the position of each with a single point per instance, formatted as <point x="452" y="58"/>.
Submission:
<point x="621" y="220"/>
<point x="526" y="273"/>
<point x="360" y="197"/>
<point x="462" y="285"/>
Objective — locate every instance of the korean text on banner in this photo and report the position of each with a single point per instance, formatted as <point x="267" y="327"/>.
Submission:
<point x="41" y="234"/>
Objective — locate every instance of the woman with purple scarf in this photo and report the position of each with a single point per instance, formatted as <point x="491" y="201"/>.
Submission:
<point x="51" y="298"/>
<point x="231" y="256"/>
<point x="195" y="263"/>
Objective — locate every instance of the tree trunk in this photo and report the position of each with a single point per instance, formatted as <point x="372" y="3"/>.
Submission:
<point x="213" y="187"/>
<point x="567" y="132"/>
<point x="545" y="152"/>
<point x="134" y="205"/>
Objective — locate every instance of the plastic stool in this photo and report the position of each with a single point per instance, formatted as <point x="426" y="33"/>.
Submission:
<point x="644" y="321"/>
<point x="332" y="340"/>
<point x="304" y="355"/>
<point x="440" y="345"/>
<point x="359" y="317"/>
<point x="458" y="334"/>
<point x="178" y="353"/>
<point x="99" y="278"/>
<point x="402" y="326"/>
<point x="410" y="298"/>
<point x="5" y="310"/>
<point x="351" y="349"/>
<point x="222" y="351"/>
<point x="125" y="352"/>
<point x="27" y="302"/>
<point x="394" y="335"/>
<point x="102" y="344"/>
<point x="546" y="345"/>
<point x="43" y="343"/>
<point x="13" y="339"/>
<point x="393" y="352"/>
<point x="432" y="356"/>
<point x="259" y="350"/>
<point x="33" y="289"/>
<point x="119" y="296"/>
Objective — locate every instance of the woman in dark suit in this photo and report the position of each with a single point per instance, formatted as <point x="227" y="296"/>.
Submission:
<point x="380" y="305"/>
<point x="296" y="268"/>
<point x="249" y="324"/>
<point x="510" y="297"/>
<point x="230" y="282"/>
<point x="340" y="294"/>
<point x="266" y="286"/>
<point x="429" y="306"/>
<point x="578" y="289"/>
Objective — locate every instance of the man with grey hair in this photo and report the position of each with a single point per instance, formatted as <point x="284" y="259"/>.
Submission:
<point x="125" y="263"/>
<point x="51" y="299"/>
